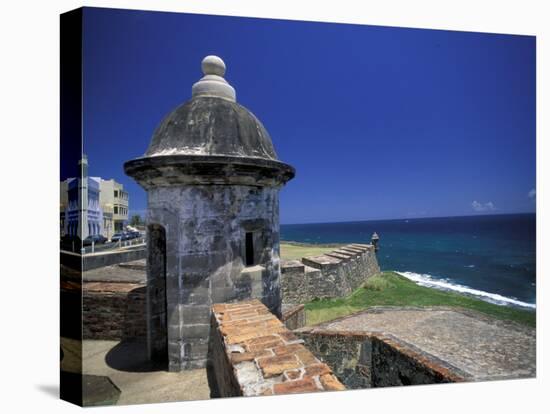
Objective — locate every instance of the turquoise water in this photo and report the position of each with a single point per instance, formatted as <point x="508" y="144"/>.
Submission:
<point x="493" y="256"/>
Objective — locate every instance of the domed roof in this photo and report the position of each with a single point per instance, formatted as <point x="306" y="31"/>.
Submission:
<point x="211" y="126"/>
<point x="210" y="139"/>
<point x="212" y="122"/>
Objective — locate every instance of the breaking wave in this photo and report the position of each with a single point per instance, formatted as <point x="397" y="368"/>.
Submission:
<point x="443" y="284"/>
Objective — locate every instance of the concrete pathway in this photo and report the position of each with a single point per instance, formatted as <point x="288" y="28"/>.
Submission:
<point x="138" y="380"/>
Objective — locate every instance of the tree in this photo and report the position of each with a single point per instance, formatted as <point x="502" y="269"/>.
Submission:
<point x="135" y="220"/>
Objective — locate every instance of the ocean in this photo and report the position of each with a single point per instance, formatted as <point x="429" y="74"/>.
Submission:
<point x="492" y="257"/>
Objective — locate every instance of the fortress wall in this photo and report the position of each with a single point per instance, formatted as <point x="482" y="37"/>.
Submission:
<point x="348" y="355"/>
<point x="332" y="281"/>
<point x="204" y="230"/>
<point x="294" y="316"/>
<point x="252" y="353"/>
<point x="330" y="275"/>
<point x="364" y="263"/>
<point x="361" y="360"/>
<point x="294" y="283"/>
<point x="397" y="363"/>
<point x="113" y="311"/>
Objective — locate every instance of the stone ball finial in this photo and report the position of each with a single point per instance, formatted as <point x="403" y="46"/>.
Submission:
<point x="213" y="65"/>
<point x="213" y="83"/>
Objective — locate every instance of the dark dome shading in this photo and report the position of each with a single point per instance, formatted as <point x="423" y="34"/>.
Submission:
<point x="211" y="126"/>
<point x="210" y="140"/>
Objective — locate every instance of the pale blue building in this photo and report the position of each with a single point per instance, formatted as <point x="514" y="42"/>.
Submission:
<point x="82" y="215"/>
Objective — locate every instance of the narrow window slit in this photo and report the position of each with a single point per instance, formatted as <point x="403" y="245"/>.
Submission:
<point x="249" y="245"/>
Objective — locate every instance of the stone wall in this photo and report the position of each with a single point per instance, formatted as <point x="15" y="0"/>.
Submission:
<point x="395" y="362"/>
<point x="113" y="311"/>
<point x="333" y="274"/>
<point x="294" y="316"/>
<point x="348" y="355"/>
<point x="206" y="229"/>
<point x="252" y="353"/>
<point x="362" y="360"/>
<point x="102" y="259"/>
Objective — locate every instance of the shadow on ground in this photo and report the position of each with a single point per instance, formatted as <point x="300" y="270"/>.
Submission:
<point x="51" y="390"/>
<point x="131" y="356"/>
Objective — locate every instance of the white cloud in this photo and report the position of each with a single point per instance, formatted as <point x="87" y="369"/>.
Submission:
<point x="532" y="194"/>
<point x="481" y="207"/>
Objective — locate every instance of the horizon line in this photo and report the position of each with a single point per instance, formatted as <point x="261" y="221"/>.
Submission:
<point x="412" y="218"/>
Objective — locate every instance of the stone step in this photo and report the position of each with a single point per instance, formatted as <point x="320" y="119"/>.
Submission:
<point x="354" y="251"/>
<point x="362" y="246"/>
<point x="309" y="269"/>
<point x="321" y="262"/>
<point x="337" y="255"/>
<point x="292" y="266"/>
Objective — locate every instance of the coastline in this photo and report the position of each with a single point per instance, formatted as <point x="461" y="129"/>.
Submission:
<point x="391" y="288"/>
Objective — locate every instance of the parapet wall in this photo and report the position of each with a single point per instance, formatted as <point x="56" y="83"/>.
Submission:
<point x="294" y="316"/>
<point x="92" y="261"/>
<point x="110" y="300"/>
<point x="113" y="311"/>
<point x="361" y="360"/>
<point x="330" y="275"/>
<point x="252" y="353"/>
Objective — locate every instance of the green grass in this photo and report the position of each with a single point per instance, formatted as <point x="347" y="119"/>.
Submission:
<point x="294" y="251"/>
<point x="391" y="289"/>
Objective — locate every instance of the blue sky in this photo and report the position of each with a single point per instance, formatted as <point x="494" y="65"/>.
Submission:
<point x="379" y="122"/>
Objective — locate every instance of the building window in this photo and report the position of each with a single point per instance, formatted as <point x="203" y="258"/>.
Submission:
<point x="116" y="210"/>
<point x="249" y="249"/>
<point x="116" y="193"/>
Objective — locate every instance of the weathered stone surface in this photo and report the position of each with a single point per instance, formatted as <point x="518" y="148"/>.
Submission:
<point x="298" y="386"/>
<point x="321" y="262"/>
<point x="191" y="170"/>
<point x="340" y="256"/>
<point x="294" y="316"/>
<point x="98" y="390"/>
<point x="208" y="264"/>
<point x="231" y="130"/>
<point x="271" y="361"/>
<point x="333" y="274"/>
<point x="111" y="309"/>
<point x="276" y="365"/>
<point x="331" y="383"/>
<point x="212" y="178"/>
<point x="404" y="346"/>
<point x="131" y="272"/>
<point x="317" y="369"/>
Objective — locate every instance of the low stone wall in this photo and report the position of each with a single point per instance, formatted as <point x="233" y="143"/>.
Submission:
<point x="252" y="353"/>
<point x="294" y="316"/>
<point x="362" y="360"/>
<point x="101" y="259"/>
<point x="333" y="274"/>
<point x="113" y="311"/>
<point x="349" y="355"/>
<point x="395" y="362"/>
<point x="108" y="258"/>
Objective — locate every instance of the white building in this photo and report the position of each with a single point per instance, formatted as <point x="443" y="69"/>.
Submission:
<point x="92" y="205"/>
